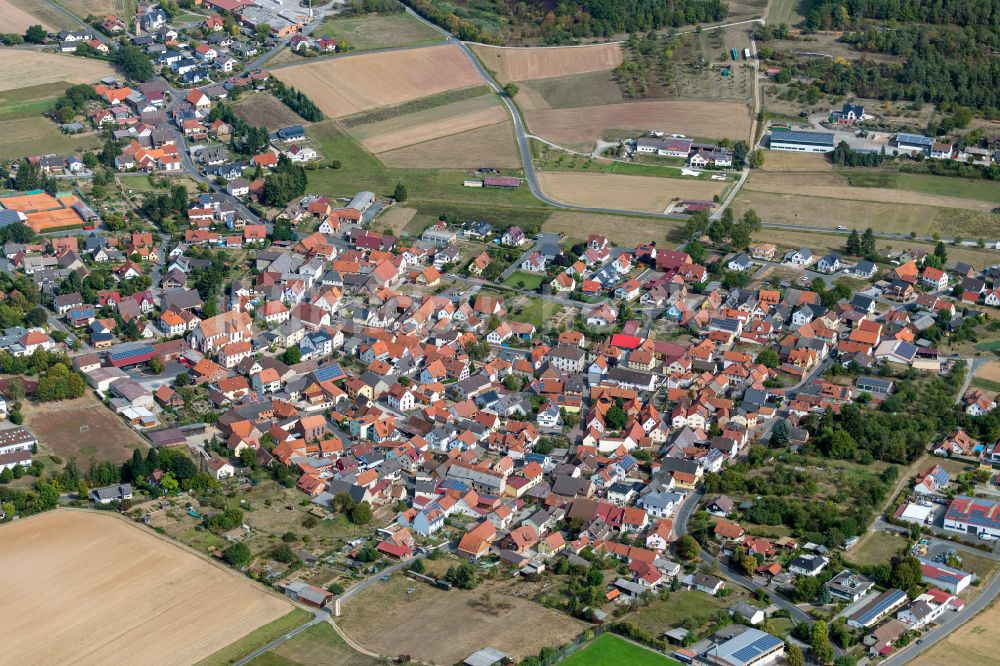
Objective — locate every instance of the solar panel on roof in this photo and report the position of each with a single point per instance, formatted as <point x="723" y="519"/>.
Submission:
<point x="759" y="646"/>
<point x="332" y="371"/>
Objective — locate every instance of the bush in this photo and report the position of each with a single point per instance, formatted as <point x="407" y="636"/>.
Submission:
<point x="238" y="555"/>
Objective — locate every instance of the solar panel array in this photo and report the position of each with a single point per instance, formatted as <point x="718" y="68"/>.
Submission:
<point x="878" y="608"/>
<point x="118" y="353"/>
<point x="328" y="372"/>
<point x="761" y="645"/>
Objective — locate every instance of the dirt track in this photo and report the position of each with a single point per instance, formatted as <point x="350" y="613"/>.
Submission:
<point x="87" y="588"/>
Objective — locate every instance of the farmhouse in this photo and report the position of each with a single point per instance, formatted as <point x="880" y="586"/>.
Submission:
<point x="664" y="146"/>
<point x="804" y="142"/>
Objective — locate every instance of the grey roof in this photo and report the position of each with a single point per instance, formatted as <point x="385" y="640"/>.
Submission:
<point x="914" y="139"/>
<point x="810" y="138"/>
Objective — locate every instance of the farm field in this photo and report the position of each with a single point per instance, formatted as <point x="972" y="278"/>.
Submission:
<point x="780" y="160"/>
<point x="829" y="212"/>
<point x="145" y="597"/>
<point x="405" y="117"/>
<point x="15" y="19"/>
<point x="378" y="31"/>
<point x="454" y="624"/>
<point x="835" y="186"/>
<point x="527" y="64"/>
<point x="395" y="219"/>
<point x="972" y="644"/>
<point x="40" y="13"/>
<point x="790" y="12"/>
<point x="569" y="91"/>
<point x="980" y="190"/>
<point x="100" y="7"/>
<point x="30" y="102"/>
<point x="19" y="68"/>
<point x="319" y="644"/>
<point x="987" y="377"/>
<point x="610" y="649"/>
<point x="81" y="428"/>
<point x="626" y="231"/>
<point x="584" y="125"/>
<point x="363" y="171"/>
<point x="491" y="146"/>
<point x="644" y="193"/>
<point x="446" y="125"/>
<point x="342" y="86"/>
<point x="265" y="110"/>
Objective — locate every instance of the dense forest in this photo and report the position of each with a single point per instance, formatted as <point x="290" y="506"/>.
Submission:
<point x="566" y="22"/>
<point x="840" y="14"/>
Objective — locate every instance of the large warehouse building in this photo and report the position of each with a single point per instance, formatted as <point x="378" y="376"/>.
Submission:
<point x="802" y="142"/>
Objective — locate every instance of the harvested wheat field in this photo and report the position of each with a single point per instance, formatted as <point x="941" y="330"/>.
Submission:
<point x="342" y="86"/>
<point x="90" y="588"/>
<point x="434" y="129"/>
<point x="833" y="186"/>
<point x="19" y="68"/>
<point x="584" y="125"/>
<point x="490" y="146"/>
<point x="643" y="193"/>
<point x="14" y="19"/>
<point x="526" y="64"/>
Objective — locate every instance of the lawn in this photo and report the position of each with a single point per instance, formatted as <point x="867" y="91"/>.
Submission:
<point x="257" y="639"/>
<point x="37" y="135"/>
<point x="531" y="281"/>
<point x="661" y="616"/>
<point x="610" y="649"/>
<point x="537" y="312"/>
<point x="360" y="170"/>
<point x="319" y="644"/>
<point x="876" y="548"/>
<point x="377" y="31"/>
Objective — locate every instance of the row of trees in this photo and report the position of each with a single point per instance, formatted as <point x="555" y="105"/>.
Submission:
<point x="297" y="101"/>
<point x="286" y="182"/>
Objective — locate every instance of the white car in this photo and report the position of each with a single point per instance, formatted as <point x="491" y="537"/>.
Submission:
<point x="987" y="537"/>
<point x="841" y="227"/>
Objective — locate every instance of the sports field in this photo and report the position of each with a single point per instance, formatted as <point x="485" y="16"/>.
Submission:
<point x="81" y="428"/>
<point x="342" y="86"/>
<point x="582" y="126"/>
<point x="20" y="68"/>
<point x="611" y="649"/>
<point x="642" y="193"/>
<point x="378" y="31"/>
<point x="452" y="624"/>
<point x="91" y="588"/>
<point x="526" y="64"/>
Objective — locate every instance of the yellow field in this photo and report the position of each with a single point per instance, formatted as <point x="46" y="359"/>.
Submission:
<point x="780" y="160"/>
<point x="584" y="125"/>
<point x="526" y="64"/>
<point x="19" y="69"/>
<point x="90" y="588"/>
<point x="15" y="19"/>
<point x="490" y="146"/>
<point x="643" y="193"/>
<point x="342" y="86"/>
<point x="434" y="130"/>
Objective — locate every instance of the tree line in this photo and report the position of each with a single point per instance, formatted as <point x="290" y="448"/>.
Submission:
<point x="297" y="101"/>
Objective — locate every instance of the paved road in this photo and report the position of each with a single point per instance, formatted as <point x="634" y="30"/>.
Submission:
<point x="318" y="616"/>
